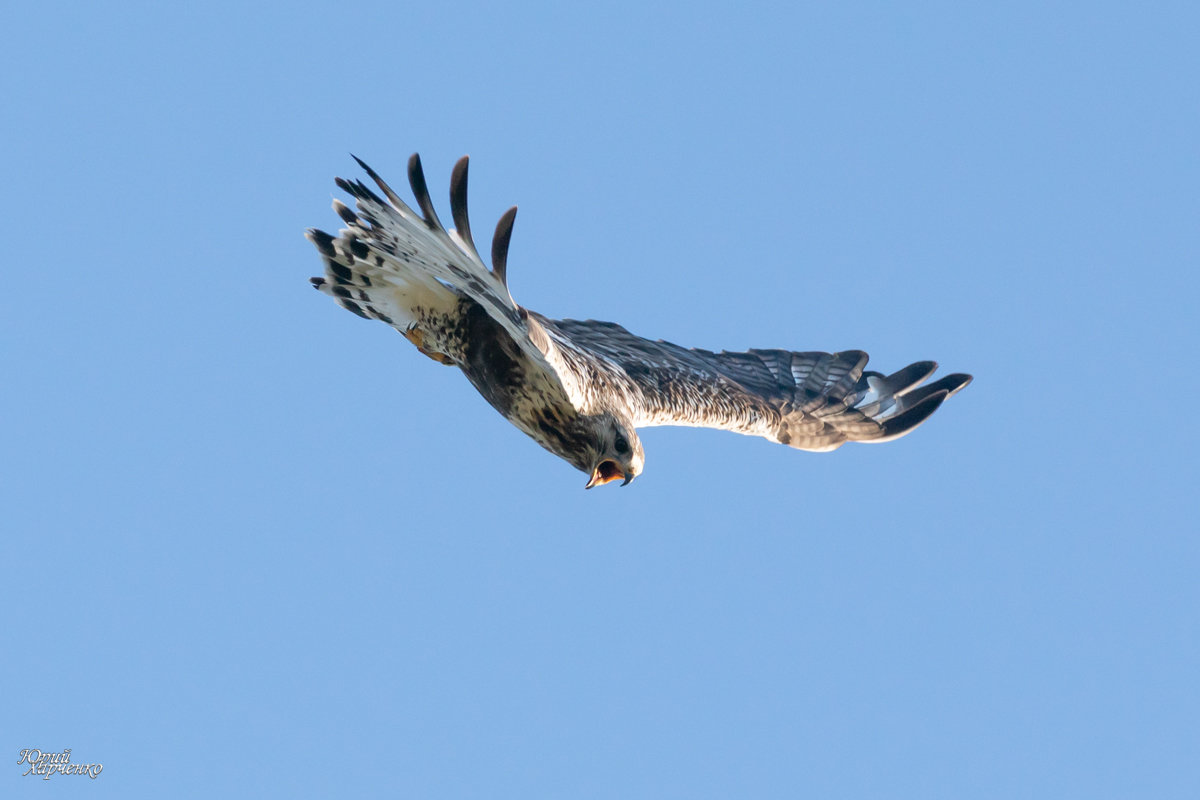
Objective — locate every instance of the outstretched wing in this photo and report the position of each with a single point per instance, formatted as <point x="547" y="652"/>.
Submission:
<point x="390" y="241"/>
<point x="810" y="401"/>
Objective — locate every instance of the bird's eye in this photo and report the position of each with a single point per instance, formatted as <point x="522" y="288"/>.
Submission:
<point x="621" y="445"/>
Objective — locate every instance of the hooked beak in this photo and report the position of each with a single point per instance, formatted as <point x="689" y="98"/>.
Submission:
<point x="607" y="472"/>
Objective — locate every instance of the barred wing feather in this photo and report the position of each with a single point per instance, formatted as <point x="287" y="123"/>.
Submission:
<point x="808" y="400"/>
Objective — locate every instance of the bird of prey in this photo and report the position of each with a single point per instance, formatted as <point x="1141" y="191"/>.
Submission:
<point x="582" y="389"/>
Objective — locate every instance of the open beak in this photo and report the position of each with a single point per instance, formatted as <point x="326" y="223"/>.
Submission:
<point x="607" y="472"/>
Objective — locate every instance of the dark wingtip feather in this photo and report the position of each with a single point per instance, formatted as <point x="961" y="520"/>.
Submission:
<point x="347" y="215"/>
<point x="458" y="201"/>
<point x="420" y="190"/>
<point x="372" y="174"/>
<point x="322" y="240"/>
<point x="957" y="382"/>
<point x="388" y="192"/>
<point x="947" y="383"/>
<point x="910" y="418"/>
<point x="361" y="191"/>
<point x="500" y="244"/>
<point x="317" y="283"/>
<point x="904" y="380"/>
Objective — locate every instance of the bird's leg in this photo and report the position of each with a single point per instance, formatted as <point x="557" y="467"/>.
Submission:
<point x="417" y="337"/>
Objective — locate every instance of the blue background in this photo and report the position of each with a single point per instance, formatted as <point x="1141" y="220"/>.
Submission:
<point x="255" y="546"/>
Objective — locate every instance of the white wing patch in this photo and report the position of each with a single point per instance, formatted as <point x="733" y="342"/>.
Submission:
<point x="409" y="250"/>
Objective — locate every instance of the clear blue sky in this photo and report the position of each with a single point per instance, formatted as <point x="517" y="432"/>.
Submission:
<point x="258" y="547"/>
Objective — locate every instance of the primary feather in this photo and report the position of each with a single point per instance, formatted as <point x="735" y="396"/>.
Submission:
<point x="581" y="388"/>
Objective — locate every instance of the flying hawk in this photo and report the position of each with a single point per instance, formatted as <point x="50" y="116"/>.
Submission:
<point x="582" y="389"/>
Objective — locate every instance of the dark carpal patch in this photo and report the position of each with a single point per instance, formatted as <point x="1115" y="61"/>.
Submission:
<point x="499" y="370"/>
<point x="492" y="357"/>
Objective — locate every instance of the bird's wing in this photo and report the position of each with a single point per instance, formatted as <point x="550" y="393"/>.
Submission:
<point x="811" y="400"/>
<point x="397" y="243"/>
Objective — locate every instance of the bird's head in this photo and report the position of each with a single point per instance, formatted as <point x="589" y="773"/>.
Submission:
<point x="616" y="453"/>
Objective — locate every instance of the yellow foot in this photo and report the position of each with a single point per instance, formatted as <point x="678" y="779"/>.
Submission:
<point x="417" y="337"/>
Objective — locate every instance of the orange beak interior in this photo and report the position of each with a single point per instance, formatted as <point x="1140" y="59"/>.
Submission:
<point x="606" y="472"/>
